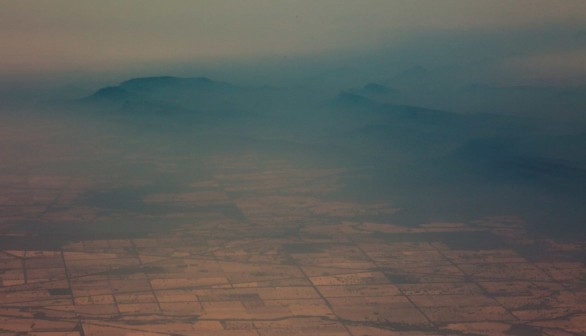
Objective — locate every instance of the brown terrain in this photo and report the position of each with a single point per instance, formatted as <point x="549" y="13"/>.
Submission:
<point x="255" y="248"/>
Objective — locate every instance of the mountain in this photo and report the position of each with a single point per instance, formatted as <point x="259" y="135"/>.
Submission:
<point x="110" y="94"/>
<point x="348" y="100"/>
<point x="376" y="89"/>
<point x="153" y="84"/>
<point x="165" y="93"/>
<point x="536" y="101"/>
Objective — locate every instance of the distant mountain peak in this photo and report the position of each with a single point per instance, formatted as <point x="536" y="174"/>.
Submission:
<point x="110" y="91"/>
<point x="150" y="83"/>
<point x="352" y="100"/>
<point x="376" y="89"/>
<point x="169" y="92"/>
<point x="110" y="94"/>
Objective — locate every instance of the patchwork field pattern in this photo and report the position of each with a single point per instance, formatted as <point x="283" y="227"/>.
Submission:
<point x="255" y="250"/>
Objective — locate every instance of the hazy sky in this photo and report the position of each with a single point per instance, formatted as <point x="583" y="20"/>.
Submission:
<point x="40" y="37"/>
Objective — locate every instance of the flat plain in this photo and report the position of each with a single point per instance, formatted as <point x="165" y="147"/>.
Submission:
<point x="255" y="247"/>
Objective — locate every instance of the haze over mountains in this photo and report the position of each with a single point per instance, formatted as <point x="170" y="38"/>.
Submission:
<point x="332" y="167"/>
<point x="433" y="163"/>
